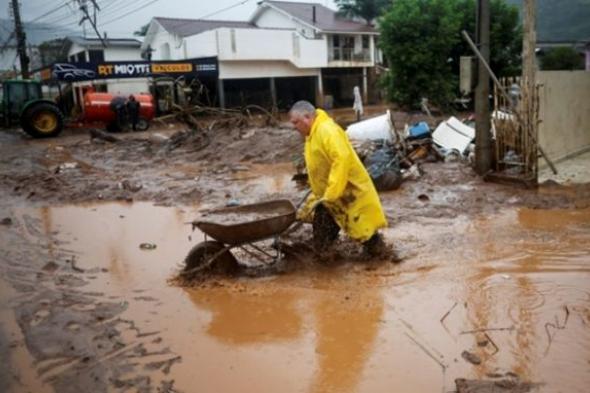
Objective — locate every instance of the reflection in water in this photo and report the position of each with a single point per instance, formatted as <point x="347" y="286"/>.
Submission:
<point x="345" y="329"/>
<point x="345" y="339"/>
<point x="512" y="290"/>
<point x="241" y="318"/>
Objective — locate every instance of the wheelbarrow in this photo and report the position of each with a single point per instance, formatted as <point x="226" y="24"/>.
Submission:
<point x="239" y="227"/>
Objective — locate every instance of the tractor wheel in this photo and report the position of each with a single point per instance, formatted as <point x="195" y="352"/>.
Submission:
<point x="42" y="120"/>
<point x="198" y="260"/>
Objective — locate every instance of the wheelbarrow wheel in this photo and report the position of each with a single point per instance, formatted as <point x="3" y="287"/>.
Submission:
<point x="201" y="254"/>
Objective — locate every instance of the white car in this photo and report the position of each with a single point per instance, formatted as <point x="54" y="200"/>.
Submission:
<point x="70" y="72"/>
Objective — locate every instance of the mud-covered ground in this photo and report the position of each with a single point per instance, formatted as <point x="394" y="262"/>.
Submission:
<point x="77" y="316"/>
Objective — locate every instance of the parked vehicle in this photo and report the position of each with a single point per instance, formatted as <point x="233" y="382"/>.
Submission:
<point x="102" y="107"/>
<point x="23" y="103"/>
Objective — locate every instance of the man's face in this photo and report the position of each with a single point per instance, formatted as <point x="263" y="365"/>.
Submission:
<point x="301" y="122"/>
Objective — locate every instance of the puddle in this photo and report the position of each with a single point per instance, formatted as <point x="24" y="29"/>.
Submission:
<point x="521" y="277"/>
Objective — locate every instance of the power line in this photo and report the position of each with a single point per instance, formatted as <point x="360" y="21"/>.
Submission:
<point x="210" y="15"/>
<point x="49" y="12"/>
<point x="7" y="42"/>
<point x="224" y="9"/>
<point x="128" y="13"/>
<point x="117" y="8"/>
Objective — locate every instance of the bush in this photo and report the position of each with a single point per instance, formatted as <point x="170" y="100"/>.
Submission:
<point x="562" y="58"/>
<point x="422" y="42"/>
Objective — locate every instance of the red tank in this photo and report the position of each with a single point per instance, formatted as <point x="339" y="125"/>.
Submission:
<point x="98" y="106"/>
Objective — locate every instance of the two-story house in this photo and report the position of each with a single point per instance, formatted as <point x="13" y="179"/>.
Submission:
<point x="286" y="51"/>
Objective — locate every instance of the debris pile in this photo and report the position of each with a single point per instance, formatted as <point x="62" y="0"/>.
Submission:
<point x="199" y="117"/>
<point x="391" y="155"/>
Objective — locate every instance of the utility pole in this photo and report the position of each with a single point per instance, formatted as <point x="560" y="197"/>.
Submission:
<point x="21" y="41"/>
<point x="528" y="100"/>
<point x="483" y="139"/>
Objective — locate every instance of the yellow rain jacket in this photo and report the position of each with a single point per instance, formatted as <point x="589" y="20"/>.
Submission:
<point x="339" y="178"/>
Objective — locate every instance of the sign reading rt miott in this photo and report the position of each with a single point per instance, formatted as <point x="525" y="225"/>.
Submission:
<point x="84" y="71"/>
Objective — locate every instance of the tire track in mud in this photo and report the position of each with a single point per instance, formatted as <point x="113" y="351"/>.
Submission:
<point x="78" y="340"/>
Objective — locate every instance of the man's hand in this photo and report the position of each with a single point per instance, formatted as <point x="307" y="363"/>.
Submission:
<point x="305" y="213"/>
<point x="317" y="203"/>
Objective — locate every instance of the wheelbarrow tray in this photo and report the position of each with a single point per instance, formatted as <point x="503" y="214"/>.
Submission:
<point x="225" y="226"/>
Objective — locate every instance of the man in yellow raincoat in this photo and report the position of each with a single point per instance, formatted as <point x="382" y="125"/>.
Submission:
<point x="343" y="195"/>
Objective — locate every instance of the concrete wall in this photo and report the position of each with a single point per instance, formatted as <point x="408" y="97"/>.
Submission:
<point x="125" y="87"/>
<point x="271" y="45"/>
<point x="201" y="45"/>
<point x="166" y="46"/>
<point x="262" y="69"/>
<point x="565" y="113"/>
<point x="122" y="54"/>
<point x="272" y="18"/>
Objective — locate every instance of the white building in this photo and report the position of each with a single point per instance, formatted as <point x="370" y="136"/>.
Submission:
<point x="118" y="49"/>
<point x="285" y="52"/>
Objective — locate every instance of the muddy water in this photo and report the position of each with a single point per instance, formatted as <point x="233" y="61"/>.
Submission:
<point x="521" y="277"/>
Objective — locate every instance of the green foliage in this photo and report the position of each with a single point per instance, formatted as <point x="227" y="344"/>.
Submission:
<point x="505" y="36"/>
<point x="422" y="42"/>
<point x="562" y="58"/>
<point x="53" y="51"/>
<point x="366" y="9"/>
<point x="417" y="37"/>
<point x="142" y="31"/>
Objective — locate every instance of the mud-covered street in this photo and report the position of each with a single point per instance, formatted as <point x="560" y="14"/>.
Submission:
<point x="489" y="290"/>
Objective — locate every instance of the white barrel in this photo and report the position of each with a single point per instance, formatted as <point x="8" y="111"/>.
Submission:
<point x="376" y="128"/>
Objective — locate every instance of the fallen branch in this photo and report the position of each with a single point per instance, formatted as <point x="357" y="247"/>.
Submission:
<point x="426" y="351"/>
<point x="98" y="134"/>
<point x="493" y="343"/>
<point x="447" y="313"/>
<point x="487" y="330"/>
<point x="557" y="327"/>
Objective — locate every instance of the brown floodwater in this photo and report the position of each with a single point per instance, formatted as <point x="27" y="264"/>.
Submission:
<point x="522" y="277"/>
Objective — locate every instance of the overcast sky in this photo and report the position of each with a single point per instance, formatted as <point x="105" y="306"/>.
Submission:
<point x="120" y="18"/>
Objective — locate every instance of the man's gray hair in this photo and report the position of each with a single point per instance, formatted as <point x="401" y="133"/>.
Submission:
<point x="303" y="108"/>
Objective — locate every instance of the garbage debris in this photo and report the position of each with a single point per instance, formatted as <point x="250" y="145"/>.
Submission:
<point x="383" y="166"/>
<point x="66" y="166"/>
<point x="471" y="357"/>
<point x="419" y="130"/>
<point x="452" y="134"/>
<point x="507" y="383"/>
<point x="147" y="246"/>
<point x="376" y="128"/>
<point x="130" y="186"/>
<point x="232" y="202"/>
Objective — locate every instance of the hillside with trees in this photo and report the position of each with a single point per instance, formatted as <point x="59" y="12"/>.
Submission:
<point x="563" y="20"/>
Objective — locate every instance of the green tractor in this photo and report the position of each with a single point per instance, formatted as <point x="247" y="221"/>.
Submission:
<point x="23" y="103"/>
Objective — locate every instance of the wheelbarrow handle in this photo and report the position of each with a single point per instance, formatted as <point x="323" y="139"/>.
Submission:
<point x="302" y="201"/>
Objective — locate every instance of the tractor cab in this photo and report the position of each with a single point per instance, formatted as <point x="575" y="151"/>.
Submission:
<point x="23" y="103"/>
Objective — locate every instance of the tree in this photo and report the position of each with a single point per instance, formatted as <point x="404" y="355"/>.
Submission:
<point x="53" y="51"/>
<point x="142" y="31"/>
<point x="422" y="42"/>
<point x="417" y="37"/>
<point x="562" y="58"/>
<point x="505" y="35"/>
<point x="365" y="9"/>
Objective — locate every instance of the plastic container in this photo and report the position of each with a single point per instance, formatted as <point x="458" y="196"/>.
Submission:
<point x="419" y="130"/>
<point x="376" y="128"/>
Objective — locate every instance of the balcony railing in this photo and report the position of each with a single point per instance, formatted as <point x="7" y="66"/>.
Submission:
<point x="349" y="54"/>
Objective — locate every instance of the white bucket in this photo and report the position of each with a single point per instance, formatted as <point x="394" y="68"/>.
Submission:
<point x="376" y="128"/>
